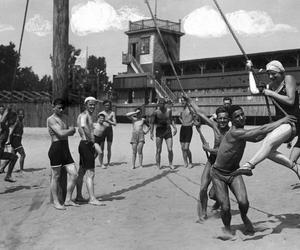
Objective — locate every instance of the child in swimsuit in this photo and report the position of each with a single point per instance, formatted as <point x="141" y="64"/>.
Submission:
<point x="138" y="135"/>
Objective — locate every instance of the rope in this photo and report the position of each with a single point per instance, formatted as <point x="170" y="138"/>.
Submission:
<point x="19" y="51"/>
<point x="243" y="52"/>
<point x="165" y="48"/>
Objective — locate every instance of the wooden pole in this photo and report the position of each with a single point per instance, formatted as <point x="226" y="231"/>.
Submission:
<point x="60" y="68"/>
<point x="60" y="47"/>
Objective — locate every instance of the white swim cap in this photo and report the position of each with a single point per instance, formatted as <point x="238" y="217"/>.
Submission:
<point x="275" y="66"/>
<point x="89" y="98"/>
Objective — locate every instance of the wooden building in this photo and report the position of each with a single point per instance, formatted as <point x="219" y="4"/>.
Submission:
<point x="206" y="80"/>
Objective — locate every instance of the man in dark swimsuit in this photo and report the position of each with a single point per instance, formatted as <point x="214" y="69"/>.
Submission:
<point x="186" y="132"/>
<point x="60" y="156"/>
<point x="8" y="118"/>
<point x="282" y="89"/>
<point x="162" y="117"/>
<point x="219" y="132"/>
<point x="228" y="159"/>
<point x="16" y="138"/>
<point x="87" y="152"/>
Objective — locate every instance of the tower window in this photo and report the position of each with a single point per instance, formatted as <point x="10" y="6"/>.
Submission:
<point x="145" y="45"/>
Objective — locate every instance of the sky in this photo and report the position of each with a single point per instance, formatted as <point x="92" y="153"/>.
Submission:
<point x="99" y="25"/>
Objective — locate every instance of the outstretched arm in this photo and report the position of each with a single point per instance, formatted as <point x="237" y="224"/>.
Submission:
<point x="258" y="133"/>
<point x="130" y="115"/>
<point x="199" y="112"/>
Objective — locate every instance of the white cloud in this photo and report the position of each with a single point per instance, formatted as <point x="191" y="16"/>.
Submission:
<point x="207" y="22"/>
<point x="98" y="16"/>
<point x="6" y="27"/>
<point x="38" y="25"/>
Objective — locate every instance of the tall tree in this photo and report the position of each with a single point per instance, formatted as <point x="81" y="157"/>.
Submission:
<point x="8" y="57"/>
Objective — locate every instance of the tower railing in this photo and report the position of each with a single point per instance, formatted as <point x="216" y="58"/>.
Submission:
<point x="149" y="23"/>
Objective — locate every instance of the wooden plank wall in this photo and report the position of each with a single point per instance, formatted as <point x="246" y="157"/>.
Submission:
<point x="36" y="114"/>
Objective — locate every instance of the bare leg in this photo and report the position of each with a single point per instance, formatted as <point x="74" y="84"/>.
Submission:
<point x="272" y="141"/>
<point x="184" y="154"/>
<point x="90" y="174"/>
<point x="189" y="154"/>
<point x="134" y="151"/>
<point x="12" y="162"/>
<point x="158" y="151"/>
<point x="238" y="188"/>
<point x="222" y="196"/>
<point x="295" y="154"/>
<point x="53" y="186"/>
<point x="270" y="144"/>
<point x="72" y="172"/>
<point x="281" y="159"/>
<point x="108" y="152"/>
<point x="169" y="143"/>
<point x="22" y="158"/>
<point x="202" y="202"/>
<point x="140" y="153"/>
<point x="79" y="183"/>
<point x="100" y="153"/>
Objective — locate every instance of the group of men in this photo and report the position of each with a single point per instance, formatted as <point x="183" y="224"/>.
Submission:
<point x="11" y="132"/>
<point x="223" y="159"/>
<point x="60" y="156"/>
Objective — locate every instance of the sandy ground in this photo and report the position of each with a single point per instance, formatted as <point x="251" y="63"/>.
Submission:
<point x="145" y="208"/>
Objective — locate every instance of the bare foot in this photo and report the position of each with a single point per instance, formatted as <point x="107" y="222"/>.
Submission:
<point x="202" y="219"/>
<point x="249" y="229"/>
<point x="58" y="206"/>
<point x="81" y="200"/>
<point x="226" y="235"/>
<point x="9" y="179"/>
<point x="71" y="203"/>
<point x="95" y="202"/>
<point x="190" y="165"/>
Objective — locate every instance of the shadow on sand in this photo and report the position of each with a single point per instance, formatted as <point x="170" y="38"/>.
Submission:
<point x="18" y="188"/>
<point x="33" y="169"/>
<point x="274" y="225"/>
<point x="136" y="186"/>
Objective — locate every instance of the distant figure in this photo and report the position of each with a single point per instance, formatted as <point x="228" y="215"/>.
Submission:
<point x="138" y="135"/>
<point x="219" y="132"/>
<point x="16" y="137"/>
<point x="227" y="102"/>
<point x="163" y="119"/>
<point x="87" y="152"/>
<point x="59" y="154"/>
<point x="228" y="159"/>
<point x="110" y="120"/>
<point x="186" y="132"/>
<point x="7" y="119"/>
<point x="99" y="134"/>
